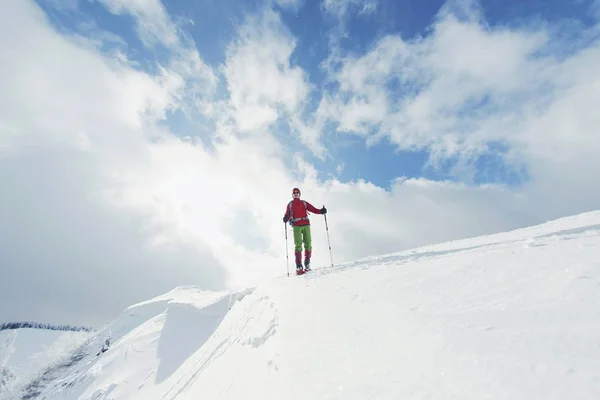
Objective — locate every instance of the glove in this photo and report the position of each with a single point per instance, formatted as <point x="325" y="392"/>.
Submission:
<point x="323" y="210"/>
<point x="285" y="219"/>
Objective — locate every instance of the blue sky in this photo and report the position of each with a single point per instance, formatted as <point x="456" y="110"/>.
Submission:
<point x="212" y="25"/>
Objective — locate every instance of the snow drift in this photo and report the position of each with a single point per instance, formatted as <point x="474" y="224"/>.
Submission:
<point x="509" y="316"/>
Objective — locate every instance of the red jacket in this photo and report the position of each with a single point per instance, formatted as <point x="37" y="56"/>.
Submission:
<point x="296" y="212"/>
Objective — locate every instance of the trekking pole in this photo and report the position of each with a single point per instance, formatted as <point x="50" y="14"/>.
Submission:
<point x="328" y="241"/>
<point x="287" y="258"/>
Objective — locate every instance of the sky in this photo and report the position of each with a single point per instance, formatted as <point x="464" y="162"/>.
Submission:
<point x="147" y="144"/>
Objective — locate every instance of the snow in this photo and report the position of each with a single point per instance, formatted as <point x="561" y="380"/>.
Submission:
<point x="24" y="351"/>
<point x="514" y="315"/>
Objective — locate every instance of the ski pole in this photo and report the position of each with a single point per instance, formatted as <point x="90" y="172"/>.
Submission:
<point x="328" y="241"/>
<point x="287" y="258"/>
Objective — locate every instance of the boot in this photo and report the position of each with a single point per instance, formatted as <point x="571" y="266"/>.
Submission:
<point x="299" y="269"/>
<point x="307" y="254"/>
<point x="298" y="255"/>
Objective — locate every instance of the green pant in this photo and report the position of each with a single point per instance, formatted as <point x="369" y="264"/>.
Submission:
<point x="302" y="233"/>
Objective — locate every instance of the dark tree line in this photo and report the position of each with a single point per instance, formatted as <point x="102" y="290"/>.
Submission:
<point x="37" y="325"/>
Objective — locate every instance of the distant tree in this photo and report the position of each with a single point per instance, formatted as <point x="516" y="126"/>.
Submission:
<point x="36" y="325"/>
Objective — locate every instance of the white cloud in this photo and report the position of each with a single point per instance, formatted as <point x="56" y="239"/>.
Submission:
<point x="342" y="11"/>
<point x="293" y="5"/>
<point x="262" y="83"/>
<point x="540" y="93"/>
<point x="258" y="69"/>
<point x="68" y="256"/>
<point x="116" y="96"/>
<point x="69" y="120"/>
<point x="153" y="23"/>
<point x="155" y="26"/>
<point x="206" y="198"/>
<point x="341" y="8"/>
<point x="133" y="201"/>
<point x="440" y="79"/>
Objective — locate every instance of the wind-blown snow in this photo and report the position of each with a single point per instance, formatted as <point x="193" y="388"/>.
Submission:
<point x="509" y="316"/>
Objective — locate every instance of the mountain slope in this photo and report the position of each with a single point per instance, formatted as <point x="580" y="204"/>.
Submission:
<point x="24" y="351"/>
<point x="508" y="316"/>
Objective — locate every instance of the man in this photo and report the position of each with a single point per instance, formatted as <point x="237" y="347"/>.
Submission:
<point x="296" y="213"/>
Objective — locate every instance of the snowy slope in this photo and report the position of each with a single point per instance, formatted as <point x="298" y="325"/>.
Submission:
<point x="23" y="352"/>
<point x="508" y="316"/>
